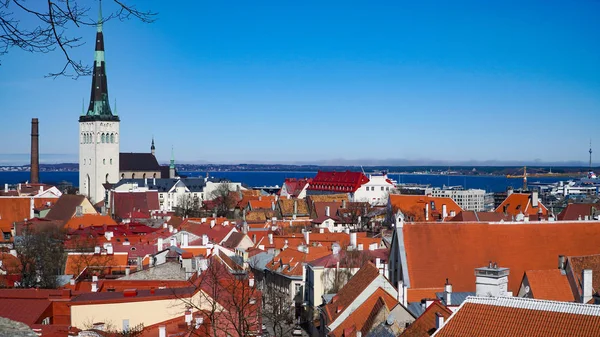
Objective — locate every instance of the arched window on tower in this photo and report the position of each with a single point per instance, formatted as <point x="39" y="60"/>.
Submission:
<point x="112" y="138"/>
<point x="144" y="176"/>
<point x="103" y="138"/>
<point x="133" y="176"/>
<point x="122" y="175"/>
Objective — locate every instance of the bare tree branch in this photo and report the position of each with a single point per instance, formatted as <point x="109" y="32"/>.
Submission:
<point x="48" y="32"/>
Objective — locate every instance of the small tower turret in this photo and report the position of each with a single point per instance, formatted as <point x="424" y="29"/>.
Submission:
<point x="152" y="148"/>
<point x="172" y="165"/>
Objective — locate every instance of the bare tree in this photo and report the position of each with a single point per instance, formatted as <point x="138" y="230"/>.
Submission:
<point x="223" y="199"/>
<point x="188" y="205"/>
<point x="42" y="26"/>
<point x="41" y="255"/>
<point x="85" y="258"/>
<point x="350" y="261"/>
<point x="356" y="213"/>
<point x="278" y="308"/>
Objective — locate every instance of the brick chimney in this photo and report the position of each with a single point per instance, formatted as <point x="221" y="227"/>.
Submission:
<point x="35" y="153"/>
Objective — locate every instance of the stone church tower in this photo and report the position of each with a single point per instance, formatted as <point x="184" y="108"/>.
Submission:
<point x="98" y="132"/>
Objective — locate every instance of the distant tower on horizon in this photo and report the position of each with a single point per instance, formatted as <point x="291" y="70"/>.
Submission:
<point x="98" y="131"/>
<point x="172" y="165"/>
<point x="590" y="154"/>
<point x="525" y="178"/>
<point x="152" y="148"/>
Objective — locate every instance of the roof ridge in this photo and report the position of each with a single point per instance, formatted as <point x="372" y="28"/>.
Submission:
<point x="534" y="304"/>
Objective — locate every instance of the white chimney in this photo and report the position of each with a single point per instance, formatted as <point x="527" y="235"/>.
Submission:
<point x="402" y="293"/>
<point x="203" y="220"/>
<point x="170" y="228"/>
<point x="109" y="249"/>
<point x="307" y="237"/>
<point x="127" y="271"/>
<point x="377" y="262"/>
<point x="94" y="287"/>
<point x="204" y="239"/>
<point x="162" y="331"/>
<point x="31" y="209"/>
<point x="327" y="211"/>
<point x="94" y="278"/>
<point x="108" y="235"/>
<point x="185" y="239"/>
<point x="72" y="281"/>
<point x="97" y="250"/>
<point x="444" y="211"/>
<point x="165" y="225"/>
<point x="534" y="199"/>
<point x="13" y="252"/>
<point x="426" y="212"/>
<point x="353" y="240"/>
<point x="448" y="293"/>
<point x="452" y="213"/>
<point x="270" y="238"/>
<point x="439" y="321"/>
<point x="5" y="188"/>
<point x="159" y="244"/>
<point x="273" y="205"/>
<point x="343" y="203"/>
<point x="586" y="285"/>
<point x="212" y="223"/>
<point x="251" y="282"/>
<point x="199" y="321"/>
<point x="173" y="242"/>
<point x="360" y="246"/>
<point x="188" y="317"/>
<point x="335" y="248"/>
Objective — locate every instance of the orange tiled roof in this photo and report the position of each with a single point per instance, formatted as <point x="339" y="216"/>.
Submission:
<point x="416" y="295"/>
<point x="89" y="220"/>
<point x="453" y="250"/>
<point x="500" y="317"/>
<point x="15" y="208"/>
<point x="423" y="326"/>
<point x="413" y="206"/>
<point x="357" y="283"/>
<point x="328" y="197"/>
<point x="362" y="316"/>
<point x="520" y="203"/>
<point x="5" y="226"/>
<point x="549" y="284"/>
<point x="76" y="263"/>
<point x="263" y="203"/>
<point x="290" y="261"/>
<point x="287" y="207"/>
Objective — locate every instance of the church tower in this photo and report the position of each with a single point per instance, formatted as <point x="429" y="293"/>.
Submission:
<point x="98" y="132"/>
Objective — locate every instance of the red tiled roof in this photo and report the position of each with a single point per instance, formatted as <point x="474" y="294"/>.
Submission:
<point x="416" y="295"/>
<point x="341" y="182"/>
<point x="577" y="211"/>
<point x="426" y="323"/>
<point x="413" y="206"/>
<point x="357" y="283"/>
<point x="290" y="261"/>
<point x="139" y="202"/>
<point x="549" y="284"/>
<point x="295" y="186"/>
<point x="453" y="250"/>
<point x="28" y="311"/>
<point x="517" y="203"/>
<point x="509" y="317"/>
<point x="76" y="263"/>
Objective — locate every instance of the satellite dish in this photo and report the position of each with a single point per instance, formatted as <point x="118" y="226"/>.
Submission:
<point x="389" y="320"/>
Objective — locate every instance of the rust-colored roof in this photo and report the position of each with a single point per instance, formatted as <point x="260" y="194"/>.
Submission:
<point x="290" y="262"/>
<point x="346" y="181"/>
<point x="286" y="206"/>
<point x="413" y="206"/>
<point x="362" y="317"/>
<point x="509" y="317"/>
<point x="10" y="264"/>
<point x="517" y="203"/>
<point x="327" y="197"/>
<point x="357" y="283"/>
<point x="424" y="326"/>
<point x="578" y="263"/>
<point x="89" y="220"/>
<point x="453" y="250"/>
<point x="549" y="284"/>
<point x="5" y="226"/>
<point x="577" y="211"/>
<point x="15" y="208"/>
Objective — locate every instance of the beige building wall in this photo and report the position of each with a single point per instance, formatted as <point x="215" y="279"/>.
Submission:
<point x="139" y="174"/>
<point x="145" y="312"/>
<point x="87" y="207"/>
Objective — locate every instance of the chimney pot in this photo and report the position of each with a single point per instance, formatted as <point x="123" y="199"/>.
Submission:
<point x="586" y="286"/>
<point x="35" y="154"/>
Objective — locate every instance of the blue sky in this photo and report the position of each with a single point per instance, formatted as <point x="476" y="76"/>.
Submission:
<point x="310" y="81"/>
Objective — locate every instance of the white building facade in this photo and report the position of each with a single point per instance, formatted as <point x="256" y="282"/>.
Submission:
<point x="375" y="191"/>
<point x="469" y="200"/>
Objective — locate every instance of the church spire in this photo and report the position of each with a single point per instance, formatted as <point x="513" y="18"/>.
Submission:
<point x="99" y="108"/>
<point x="152" y="148"/>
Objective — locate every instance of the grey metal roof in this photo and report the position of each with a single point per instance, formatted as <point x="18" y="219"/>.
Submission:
<point x="165" y="184"/>
<point x="327" y="298"/>
<point x="260" y="260"/>
<point x="416" y="309"/>
<point x="382" y="330"/>
<point x="456" y="298"/>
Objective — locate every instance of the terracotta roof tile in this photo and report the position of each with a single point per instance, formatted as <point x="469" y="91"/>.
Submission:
<point x="577" y="211"/>
<point x="141" y="203"/>
<point x="453" y="250"/>
<point x="549" y="284"/>
<point x="417" y="294"/>
<point x="65" y="207"/>
<point x="77" y="262"/>
<point x="413" y="206"/>
<point x="346" y="182"/>
<point x="501" y="317"/>
<point x="578" y="263"/>
<point x="286" y="206"/>
<point x="362" y="318"/>
<point x="89" y="220"/>
<point x="15" y="208"/>
<point x="517" y="203"/>
<point x="327" y="198"/>
<point x="357" y="283"/>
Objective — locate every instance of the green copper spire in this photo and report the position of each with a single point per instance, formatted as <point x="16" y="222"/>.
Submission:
<point x="115" y="107"/>
<point x="172" y="166"/>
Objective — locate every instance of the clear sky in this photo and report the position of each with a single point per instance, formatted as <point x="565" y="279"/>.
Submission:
<point x="310" y="81"/>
